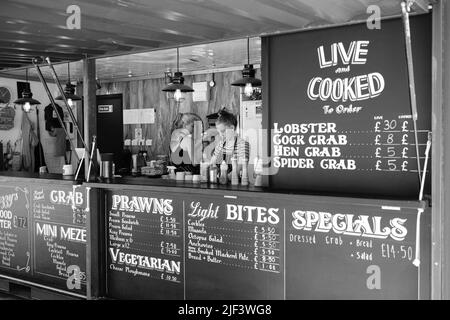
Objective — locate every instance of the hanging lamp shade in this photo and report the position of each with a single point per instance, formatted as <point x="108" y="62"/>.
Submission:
<point x="177" y="84"/>
<point x="1" y="101"/>
<point x="248" y="76"/>
<point x="248" y="73"/>
<point x="69" y="90"/>
<point x="69" y="93"/>
<point x="177" y="81"/>
<point x="27" y="96"/>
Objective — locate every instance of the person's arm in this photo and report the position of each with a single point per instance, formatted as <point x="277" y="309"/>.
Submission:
<point x="192" y="147"/>
<point x="176" y="139"/>
<point x="217" y="152"/>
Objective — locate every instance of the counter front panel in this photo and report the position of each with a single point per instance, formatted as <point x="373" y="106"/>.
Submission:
<point x="169" y="245"/>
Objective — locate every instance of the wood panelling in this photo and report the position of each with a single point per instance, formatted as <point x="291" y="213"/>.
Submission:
<point x="148" y="94"/>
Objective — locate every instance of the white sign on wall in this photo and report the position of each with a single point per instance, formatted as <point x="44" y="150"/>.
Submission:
<point x="105" y="108"/>
<point x="139" y="116"/>
<point x="200" y="91"/>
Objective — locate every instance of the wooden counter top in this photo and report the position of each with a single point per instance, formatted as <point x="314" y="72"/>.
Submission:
<point x="158" y="184"/>
<point x="47" y="178"/>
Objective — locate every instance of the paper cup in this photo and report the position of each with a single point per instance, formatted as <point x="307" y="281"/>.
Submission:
<point x="67" y="170"/>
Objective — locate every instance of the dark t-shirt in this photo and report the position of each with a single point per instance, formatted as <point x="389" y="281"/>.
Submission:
<point x="51" y="119"/>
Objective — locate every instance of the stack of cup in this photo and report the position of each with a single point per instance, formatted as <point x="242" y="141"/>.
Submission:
<point x="180" y="176"/>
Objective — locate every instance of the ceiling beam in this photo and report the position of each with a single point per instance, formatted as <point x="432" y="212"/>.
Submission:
<point x="117" y="16"/>
<point x="34" y="53"/>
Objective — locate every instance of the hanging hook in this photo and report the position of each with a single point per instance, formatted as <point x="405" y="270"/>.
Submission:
<point x="68" y="71"/>
<point x="248" y="50"/>
<point x="178" y="60"/>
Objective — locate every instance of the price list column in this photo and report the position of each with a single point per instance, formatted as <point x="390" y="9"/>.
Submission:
<point x="267" y="249"/>
<point x="395" y="144"/>
<point x="171" y="228"/>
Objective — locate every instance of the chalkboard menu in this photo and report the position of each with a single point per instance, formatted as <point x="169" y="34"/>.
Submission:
<point x="347" y="251"/>
<point x="59" y="236"/>
<point x="170" y="246"/>
<point x="339" y="109"/>
<point x="145" y="246"/>
<point x="14" y="237"/>
<point x="234" y="249"/>
<point x="43" y="234"/>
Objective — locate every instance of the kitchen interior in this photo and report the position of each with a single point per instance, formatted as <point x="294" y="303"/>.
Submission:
<point x="135" y="117"/>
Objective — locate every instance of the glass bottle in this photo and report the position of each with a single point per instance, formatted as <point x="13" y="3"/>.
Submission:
<point x="223" y="173"/>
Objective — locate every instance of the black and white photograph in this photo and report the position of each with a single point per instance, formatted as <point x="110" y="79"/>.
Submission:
<point x="224" y="158"/>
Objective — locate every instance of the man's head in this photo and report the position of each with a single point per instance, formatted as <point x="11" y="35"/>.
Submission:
<point x="226" y="123"/>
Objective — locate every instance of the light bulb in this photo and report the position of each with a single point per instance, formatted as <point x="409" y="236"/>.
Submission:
<point x="27" y="107"/>
<point x="177" y="95"/>
<point x="70" y="102"/>
<point x="248" y="90"/>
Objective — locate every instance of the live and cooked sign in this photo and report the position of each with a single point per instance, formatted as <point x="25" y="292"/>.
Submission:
<point x="340" y="113"/>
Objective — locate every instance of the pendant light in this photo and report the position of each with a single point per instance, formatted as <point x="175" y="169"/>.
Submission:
<point x="27" y="97"/>
<point x="177" y="85"/>
<point x="69" y="91"/>
<point x="248" y="80"/>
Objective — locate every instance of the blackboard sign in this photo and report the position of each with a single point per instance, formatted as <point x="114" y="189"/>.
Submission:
<point x="339" y="109"/>
<point x="145" y="246"/>
<point x="349" y="251"/>
<point x="59" y="236"/>
<point x="43" y="234"/>
<point x="15" y="245"/>
<point x="170" y="246"/>
<point x="234" y="248"/>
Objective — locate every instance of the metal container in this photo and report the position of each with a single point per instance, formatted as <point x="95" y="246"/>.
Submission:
<point x="213" y="174"/>
<point x="107" y="165"/>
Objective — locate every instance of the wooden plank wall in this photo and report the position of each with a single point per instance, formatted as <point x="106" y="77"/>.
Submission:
<point x="148" y="94"/>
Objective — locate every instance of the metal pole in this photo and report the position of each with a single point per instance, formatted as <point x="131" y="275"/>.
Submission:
<point x="412" y="88"/>
<point x="52" y="101"/>
<point x="72" y="116"/>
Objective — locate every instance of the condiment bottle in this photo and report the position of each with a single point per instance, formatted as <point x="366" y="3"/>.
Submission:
<point x="223" y="173"/>
<point x="204" y="167"/>
<point x="244" y="178"/>
<point x="213" y="174"/>
<point x="172" y="174"/>
<point x="258" y="172"/>
<point x="234" y="172"/>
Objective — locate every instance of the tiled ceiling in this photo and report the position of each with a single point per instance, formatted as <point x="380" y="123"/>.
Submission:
<point x="30" y="28"/>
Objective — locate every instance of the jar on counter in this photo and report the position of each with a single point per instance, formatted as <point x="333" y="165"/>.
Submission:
<point x="213" y="174"/>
